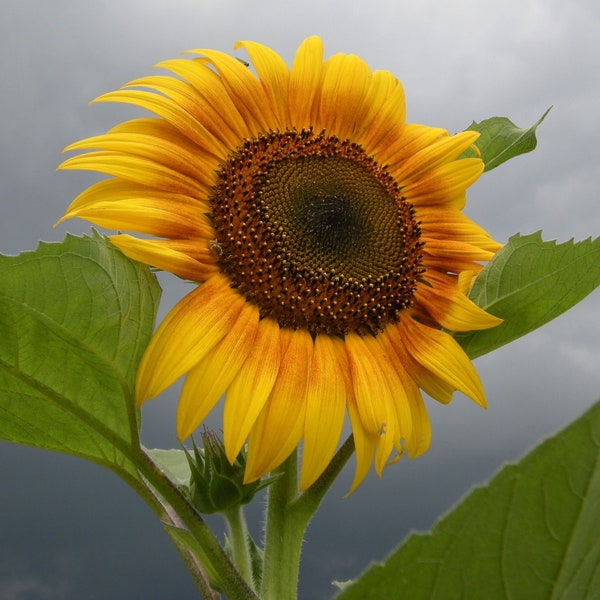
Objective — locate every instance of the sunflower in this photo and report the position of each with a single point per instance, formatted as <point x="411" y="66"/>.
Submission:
<point x="327" y="241"/>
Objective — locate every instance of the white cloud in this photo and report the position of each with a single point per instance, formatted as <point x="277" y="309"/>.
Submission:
<point x="25" y="589"/>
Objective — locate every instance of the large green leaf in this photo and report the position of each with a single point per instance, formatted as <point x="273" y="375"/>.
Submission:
<point x="533" y="532"/>
<point x="74" y="319"/>
<point x="500" y="140"/>
<point x="528" y="283"/>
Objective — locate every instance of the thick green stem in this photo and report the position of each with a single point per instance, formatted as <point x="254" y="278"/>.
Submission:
<point x="238" y="537"/>
<point x="284" y="530"/>
<point x="232" y="583"/>
<point x="287" y="516"/>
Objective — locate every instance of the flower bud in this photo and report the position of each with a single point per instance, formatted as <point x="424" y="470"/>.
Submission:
<point x="216" y="485"/>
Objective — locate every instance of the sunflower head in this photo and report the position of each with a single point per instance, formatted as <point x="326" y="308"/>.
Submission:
<point x="327" y="241"/>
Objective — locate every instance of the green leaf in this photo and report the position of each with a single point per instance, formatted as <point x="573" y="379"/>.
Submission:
<point x="528" y="283"/>
<point x="75" y="318"/>
<point x="500" y="140"/>
<point x="533" y="532"/>
<point x="173" y="463"/>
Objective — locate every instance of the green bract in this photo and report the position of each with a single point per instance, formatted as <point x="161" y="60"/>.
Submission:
<point x="215" y="484"/>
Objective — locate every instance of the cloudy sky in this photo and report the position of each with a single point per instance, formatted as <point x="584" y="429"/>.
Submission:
<point x="70" y="530"/>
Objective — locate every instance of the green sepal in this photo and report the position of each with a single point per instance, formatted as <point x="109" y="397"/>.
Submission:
<point x="216" y="485"/>
<point x="257" y="556"/>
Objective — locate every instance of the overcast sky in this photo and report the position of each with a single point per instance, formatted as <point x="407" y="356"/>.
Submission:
<point x="70" y="530"/>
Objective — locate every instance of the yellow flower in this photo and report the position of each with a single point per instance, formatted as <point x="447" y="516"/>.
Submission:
<point x="327" y="238"/>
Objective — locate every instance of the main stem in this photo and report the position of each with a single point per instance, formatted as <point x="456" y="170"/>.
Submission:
<point x="284" y="531"/>
<point x="287" y="515"/>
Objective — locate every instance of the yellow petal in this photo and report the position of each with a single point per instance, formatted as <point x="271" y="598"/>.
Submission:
<point x="305" y="78"/>
<point x="244" y="89"/>
<point x="188" y="259"/>
<point x="251" y="387"/>
<point x="453" y="256"/>
<point x="179" y="155"/>
<point x="328" y="383"/>
<point x="419" y="441"/>
<point x="413" y="139"/>
<point x="413" y="422"/>
<point x="384" y="120"/>
<point x="369" y="383"/>
<point x="208" y="380"/>
<point x="190" y="330"/>
<point x="442" y="151"/>
<point x="454" y="311"/>
<point x="193" y="102"/>
<point x="220" y="114"/>
<point x="364" y="444"/>
<point x="452" y="224"/>
<point x="279" y="427"/>
<point x="138" y="170"/>
<point x="343" y="90"/>
<point x="444" y="183"/>
<point x="147" y="215"/>
<point x="171" y="112"/>
<point x="392" y="367"/>
<point x="274" y="77"/>
<point x="117" y="190"/>
<point x="440" y="354"/>
<point x="430" y="383"/>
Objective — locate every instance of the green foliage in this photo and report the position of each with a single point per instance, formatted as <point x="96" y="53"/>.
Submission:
<point x="533" y="532"/>
<point x="215" y="484"/>
<point x="500" y="140"/>
<point x="75" y="318"/>
<point x="173" y="463"/>
<point x="528" y="283"/>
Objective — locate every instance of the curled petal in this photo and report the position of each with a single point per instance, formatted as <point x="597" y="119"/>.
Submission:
<point x="440" y="354"/>
<point x="207" y="381"/>
<point x="280" y="424"/>
<point x="325" y="406"/>
<point x="192" y="329"/>
<point x="250" y="388"/>
<point x="189" y="259"/>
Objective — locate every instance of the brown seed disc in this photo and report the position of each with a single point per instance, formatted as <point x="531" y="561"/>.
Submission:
<point x="316" y="233"/>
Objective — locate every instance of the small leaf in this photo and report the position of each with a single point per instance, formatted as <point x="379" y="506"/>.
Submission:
<point x="256" y="561"/>
<point x="528" y="283"/>
<point x="533" y="532"/>
<point x="174" y="465"/>
<point x="500" y="140"/>
<point x="75" y="318"/>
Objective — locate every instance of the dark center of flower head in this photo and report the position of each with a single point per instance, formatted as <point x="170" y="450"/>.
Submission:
<point x="316" y="233"/>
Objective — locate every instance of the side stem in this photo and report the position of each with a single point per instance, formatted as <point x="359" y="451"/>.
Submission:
<point x="233" y="584"/>
<point x="238" y="537"/>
